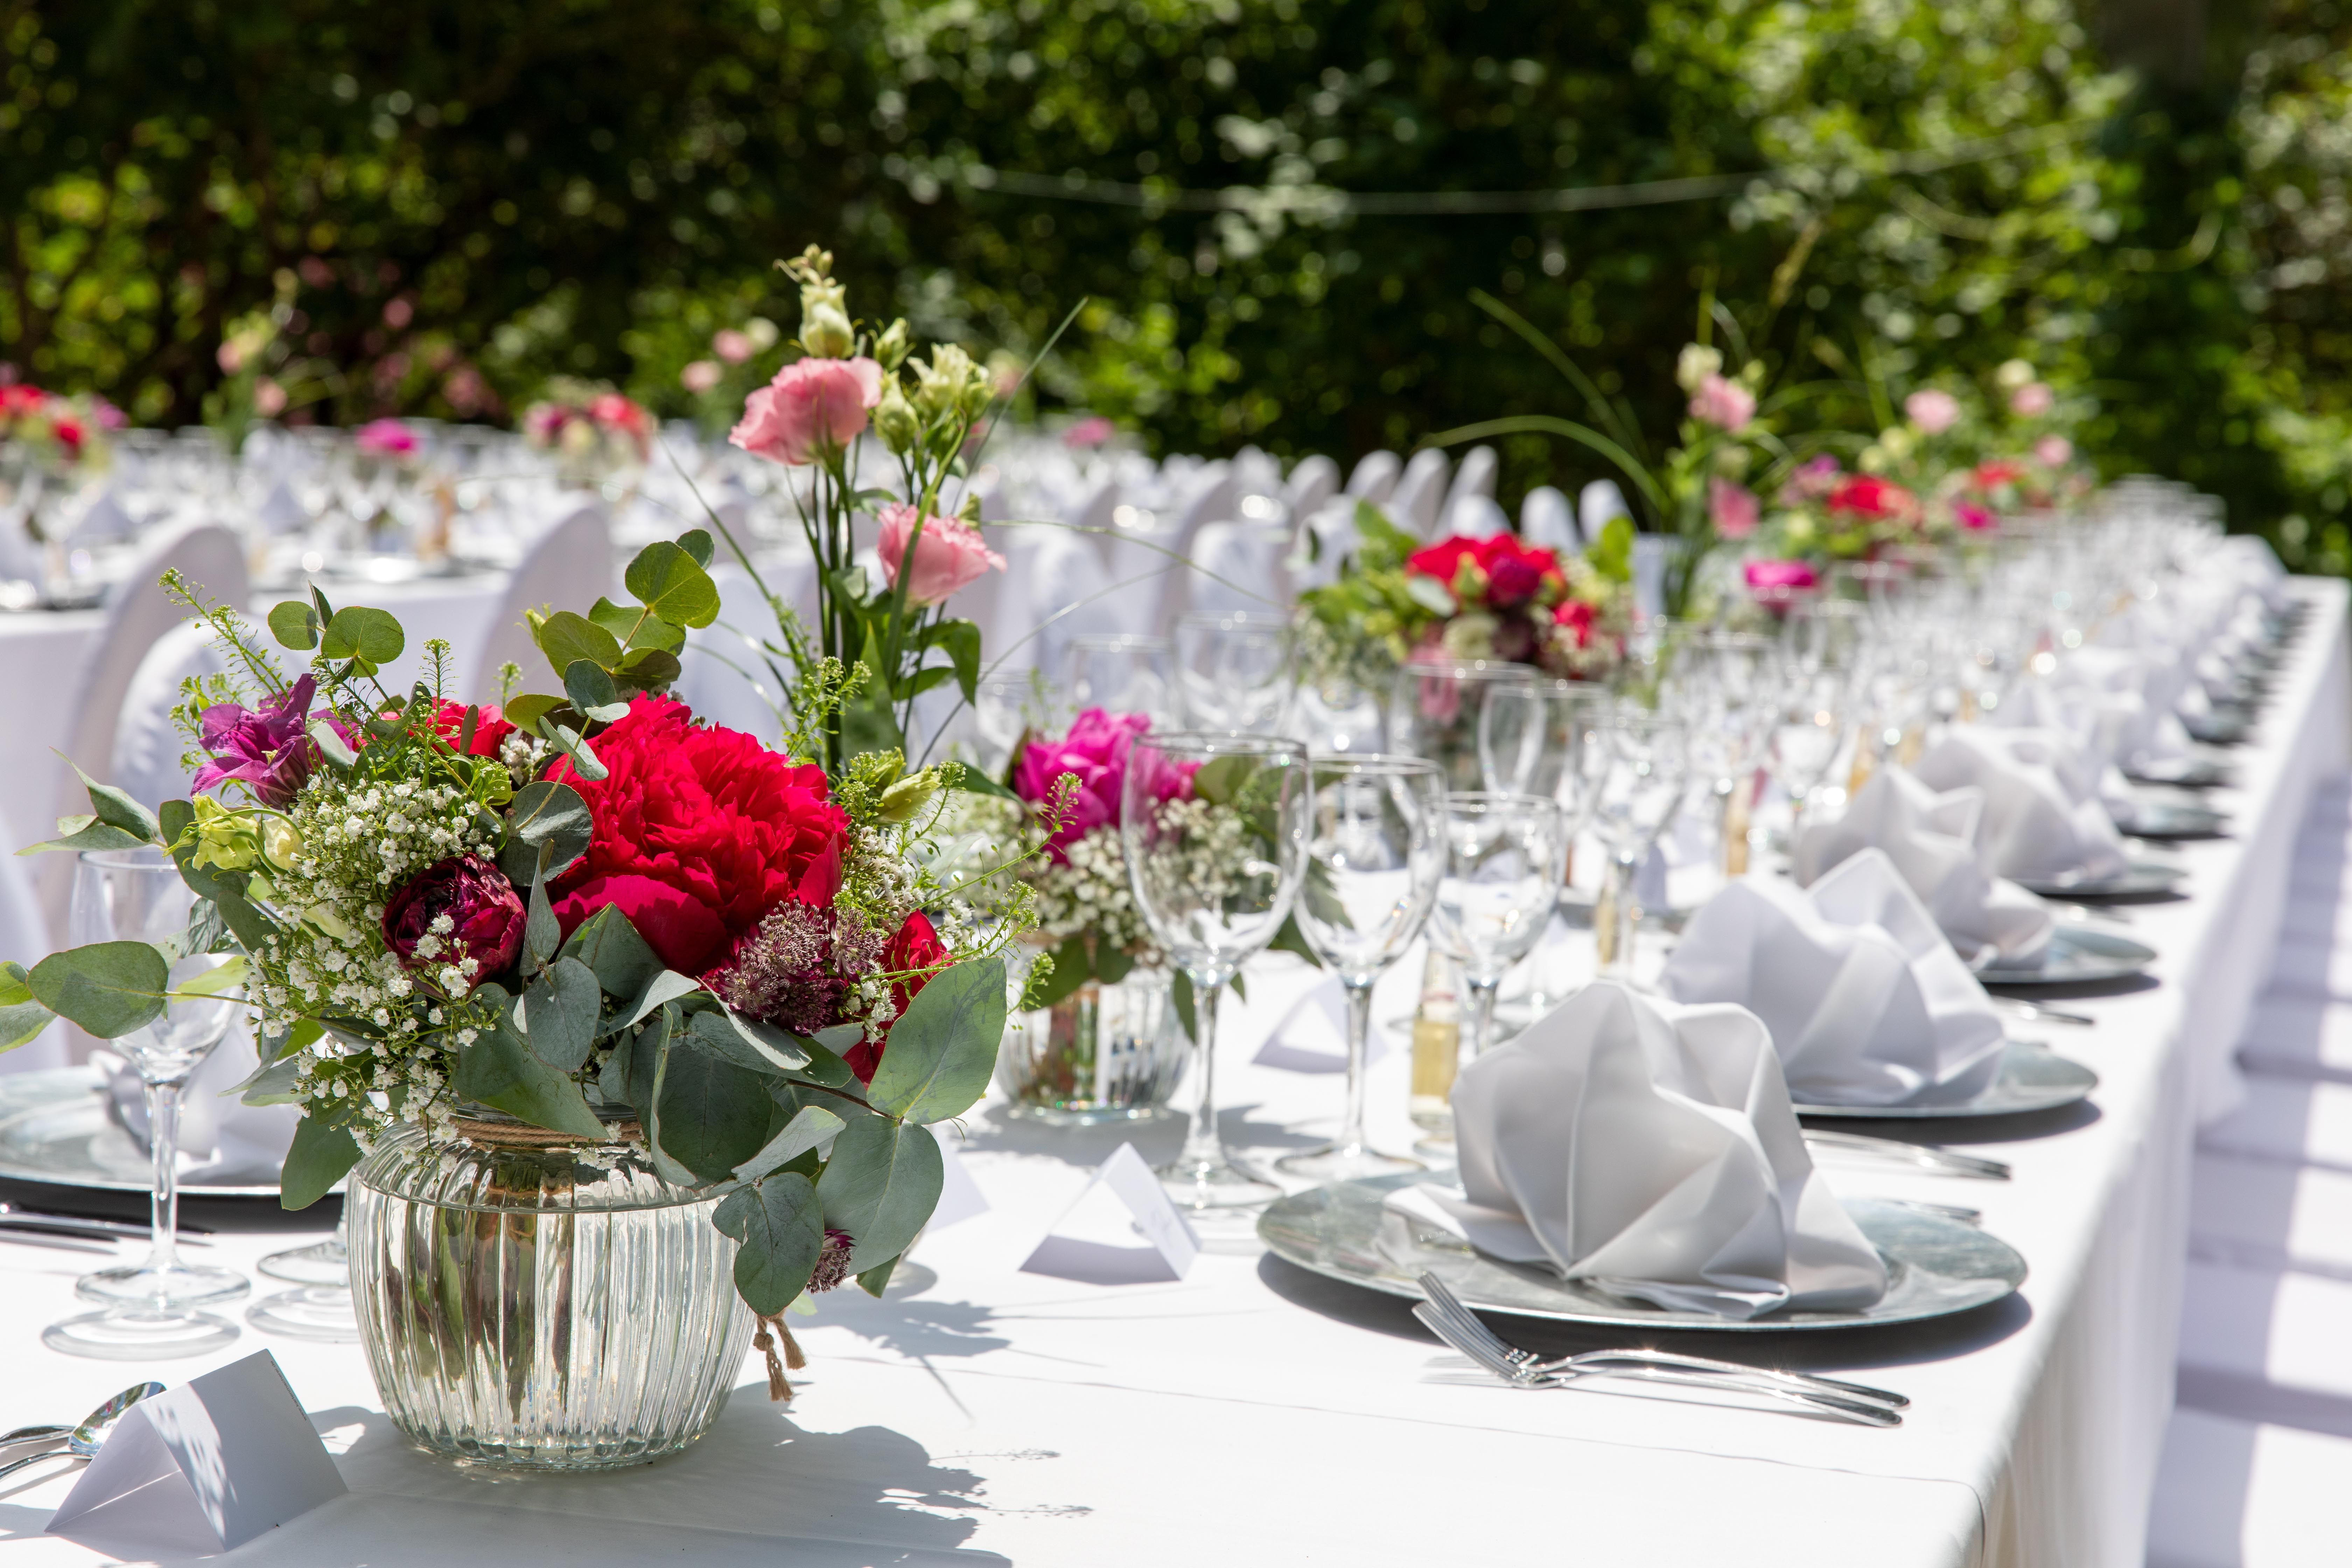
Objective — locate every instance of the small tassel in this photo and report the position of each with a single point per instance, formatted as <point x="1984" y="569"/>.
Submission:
<point x="793" y="1357"/>
<point x="778" y="1389"/>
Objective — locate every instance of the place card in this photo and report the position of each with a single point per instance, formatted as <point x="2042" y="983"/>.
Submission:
<point x="1313" y="1036"/>
<point x="204" y="1467"/>
<point x="959" y="1196"/>
<point x="1122" y="1230"/>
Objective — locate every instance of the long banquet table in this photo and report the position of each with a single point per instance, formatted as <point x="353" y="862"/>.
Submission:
<point x="1258" y="1413"/>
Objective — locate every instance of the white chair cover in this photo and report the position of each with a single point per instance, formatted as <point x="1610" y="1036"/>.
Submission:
<point x="1375" y="477"/>
<point x="1476" y="477"/>
<point x="1596" y="503"/>
<point x="1064" y="595"/>
<point x="1476" y="516"/>
<point x="1315" y="480"/>
<point x="147" y="744"/>
<point x="571" y="567"/>
<point x="1420" y="492"/>
<point x="1546" y="519"/>
<point x="1238" y="569"/>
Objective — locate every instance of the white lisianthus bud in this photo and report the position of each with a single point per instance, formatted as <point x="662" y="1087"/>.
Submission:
<point x="890" y="348"/>
<point x="824" y="322"/>
<point x="895" y="419"/>
<point x="1696" y="364"/>
<point x="940" y="385"/>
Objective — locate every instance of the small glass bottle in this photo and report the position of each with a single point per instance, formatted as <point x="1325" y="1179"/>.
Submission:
<point x="1436" y="1049"/>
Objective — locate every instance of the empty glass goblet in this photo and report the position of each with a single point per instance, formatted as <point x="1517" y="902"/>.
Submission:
<point x="1375" y="851"/>
<point x="1504" y="856"/>
<point x="1121" y="674"/>
<point x="1214" y="827"/>
<point x="1233" y="671"/>
<point x="1808" y="732"/>
<point x="1433" y="712"/>
<point x="137" y="895"/>
<point x="1641" y="794"/>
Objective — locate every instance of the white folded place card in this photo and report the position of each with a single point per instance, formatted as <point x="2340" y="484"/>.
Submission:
<point x="204" y="1467"/>
<point x="1122" y="1230"/>
<point x="959" y="1196"/>
<point x="1931" y="839"/>
<point x="1313" y="1036"/>
<point x="1867" y="1003"/>
<point x="1649" y="1149"/>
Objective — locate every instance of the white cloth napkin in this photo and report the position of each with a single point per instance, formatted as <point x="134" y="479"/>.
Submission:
<point x="2043" y="814"/>
<point x="1650" y="1150"/>
<point x="1867" y="1003"/>
<point x="1931" y="839"/>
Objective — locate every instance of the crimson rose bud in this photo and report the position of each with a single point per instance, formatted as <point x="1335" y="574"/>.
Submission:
<point x="484" y="919"/>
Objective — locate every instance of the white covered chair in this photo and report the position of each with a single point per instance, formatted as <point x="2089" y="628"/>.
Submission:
<point x="1065" y="592"/>
<point x="1476" y="516"/>
<point x="569" y="567"/>
<point x="1315" y="480"/>
<point x="1236" y="568"/>
<point x="1476" y="477"/>
<point x="1375" y="477"/>
<point x="1547" y="520"/>
<point x="1599" y="502"/>
<point x="1419" y="495"/>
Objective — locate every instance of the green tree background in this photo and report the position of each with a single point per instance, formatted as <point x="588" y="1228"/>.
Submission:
<point x="452" y="202"/>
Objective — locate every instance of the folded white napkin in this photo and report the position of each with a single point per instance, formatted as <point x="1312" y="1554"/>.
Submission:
<point x="1866" y="1002"/>
<point x="1650" y="1150"/>
<point x="2043" y="814"/>
<point x="1931" y="839"/>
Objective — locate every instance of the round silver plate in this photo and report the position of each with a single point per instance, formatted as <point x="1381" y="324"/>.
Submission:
<point x="2030" y="1078"/>
<point x="1935" y="1266"/>
<point x="2077" y="954"/>
<point x="2183" y="773"/>
<point x="54" y="1128"/>
<point x="2141" y="878"/>
<point x="2173" y="819"/>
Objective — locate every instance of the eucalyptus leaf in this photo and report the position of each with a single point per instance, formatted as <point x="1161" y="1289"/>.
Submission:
<point x="713" y="1114"/>
<point x="80" y="833"/>
<point x="666" y="986"/>
<point x="524" y="712"/>
<point x="779" y="1225"/>
<point x="371" y="638"/>
<point x="880" y="1184"/>
<point x="649" y="1107"/>
<point x="1073" y="967"/>
<point x="295" y="624"/>
<point x="500" y="1070"/>
<point x="15" y="988"/>
<point x="320" y="1156"/>
<point x="558" y="1012"/>
<point x="117" y="809"/>
<point x="542" y="935"/>
<point x="673" y="584"/>
<point x="332" y="745"/>
<point x="22" y="1019"/>
<point x="610" y="946"/>
<point x="810" y="1126"/>
<point x="650" y="668"/>
<point x="613" y="1079"/>
<point x="272" y="1083"/>
<point x="593" y="695"/>
<point x="877" y="1279"/>
<point x="545" y="812"/>
<point x="110" y="988"/>
<point x="944" y="1047"/>
<point x="213" y="982"/>
<point x="565" y="637"/>
<point x="568" y="743"/>
<point x="721" y="1031"/>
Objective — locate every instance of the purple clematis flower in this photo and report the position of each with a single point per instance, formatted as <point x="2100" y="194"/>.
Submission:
<point x="267" y="748"/>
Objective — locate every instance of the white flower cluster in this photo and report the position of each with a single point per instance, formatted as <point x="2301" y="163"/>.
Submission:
<point x="1090" y="892"/>
<point x="346" y="850"/>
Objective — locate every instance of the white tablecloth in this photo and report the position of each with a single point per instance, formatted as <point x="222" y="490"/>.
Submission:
<point x="1256" y="1414"/>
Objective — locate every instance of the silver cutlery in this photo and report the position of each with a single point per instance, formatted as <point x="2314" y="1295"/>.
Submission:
<point x="1953" y="1212"/>
<point x="2085" y="912"/>
<point x="82" y="1442"/>
<point x="25" y="1235"/>
<point x="2043" y="1013"/>
<point x="1941" y="1161"/>
<point x="1643" y="1366"/>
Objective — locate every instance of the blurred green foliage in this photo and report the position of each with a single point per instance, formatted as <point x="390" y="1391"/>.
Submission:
<point x="455" y="201"/>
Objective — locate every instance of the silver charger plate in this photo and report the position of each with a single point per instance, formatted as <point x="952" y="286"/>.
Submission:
<point x="2184" y="772"/>
<point x="54" y="1128"/>
<point x="1935" y="1266"/>
<point x="2077" y="954"/>
<point x="2030" y="1078"/>
<point x="2173" y="819"/>
<point x="2141" y="878"/>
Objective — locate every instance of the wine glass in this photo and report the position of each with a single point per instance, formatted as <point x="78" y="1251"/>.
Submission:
<point x="1649" y="763"/>
<point x="1008" y="705"/>
<point x="1375" y="850"/>
<point x="1724" y="709"/>
<point x="1233" y="671"/>
<point x="319" y="1306"/>
<point x="1122" y="673"/>
<point x="1433" y="712"/>
<point x="152" y="1307"/>
<point x="1504" y="856"/>
<point x="1808" y="730"/>
<point x="1214" y="828"/>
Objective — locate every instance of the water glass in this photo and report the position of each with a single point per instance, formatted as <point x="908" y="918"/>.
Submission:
<point x="1641" y="793"/>
<point x="1434" y="709"/>
<point x="1121" y="674"/>
<point x="1233" y="671"/>
<point x="151" y="1307"/>
<point x="1375" y="853"/>
<point x="1504" y="859"/>
<point x="1215" y="829"/>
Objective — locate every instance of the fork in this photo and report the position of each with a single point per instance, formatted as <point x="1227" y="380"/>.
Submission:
<point x="1444" y="1302"/>
<point x="1820" y="1403"/>
<point x="1941" y="1161"/>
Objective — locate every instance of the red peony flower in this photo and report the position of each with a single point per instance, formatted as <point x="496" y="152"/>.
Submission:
<point x="919" y="955"/>
<point x="1993" y="475"/>
<point x="1502" y="573"/>
<point x="490" y="729"/>
<point x="728" y="827"/>
<point x="1576" y="616"/>
<point x="1444" y="559"/>
<point x="1868" y="496"/>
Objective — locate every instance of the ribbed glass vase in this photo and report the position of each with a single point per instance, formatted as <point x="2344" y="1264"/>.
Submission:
<point x="540" y="1307"/>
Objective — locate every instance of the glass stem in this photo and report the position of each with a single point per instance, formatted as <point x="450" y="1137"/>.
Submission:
<point x="1203" y="1147"/>
<point x="1360" y="1040"/>
<point x="164" y="1140"/>
<point x="1617" y="962"/>
<point x="1482" y="1015"/>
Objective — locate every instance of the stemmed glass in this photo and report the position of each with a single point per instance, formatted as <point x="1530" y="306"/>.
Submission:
<point x="1724" y="715"/>
<point x="1640" y="795"/>
<point x="151" y="1308"/>
<point x="319" y="1307"/>
<point x="1434" y="709"/>
<point x="1214" y="827"/>
<point x="1122" y="673"/>
<point x="1375" y="850"/>
<point x="1504" y="856"/>
<point x="1233" y="671"/>
<point x="1807" y="731"/>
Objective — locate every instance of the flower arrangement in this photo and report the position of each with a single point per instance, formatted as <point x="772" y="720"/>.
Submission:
<point x="1396" y="601"/>
<point x="570" y="909"/>
<point x="593" y="431"/>
<point x="55" y="433"/>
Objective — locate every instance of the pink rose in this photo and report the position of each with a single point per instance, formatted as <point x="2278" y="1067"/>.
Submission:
<point x="949" y="554"/>
<point x="815" y="407"/>
<point x="1733" y="509"/>
<point x="1091" y="431"/>
<point x="1934" y="412"/>
<point x="701" y="376"/>
<point x="2054" y="451"/>
<point x="730" y="345"/>
<point x="1784" y="576"/>
<point x="1095" y="752"/>
<point x="2032" y="400"/>
<point x="385" y="439"/>
<point x="1724" y="403"/>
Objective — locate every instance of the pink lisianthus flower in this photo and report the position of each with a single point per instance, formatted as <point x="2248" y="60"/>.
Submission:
<point x="2054" y="451"/>
<point x="1733" y="509"/>
<point x="1787" y="576"/>
<point x="700" y="376"/>
<point x="2032" y="400"/>
<point x="1933" y="411"/>
<point x="949" y="553"/>
<point x="815" y="407"/>
<point x="385" y="439"/>
<point x="1723" y="403"/>
<point x="730" y="345"/>
<point x="1813" y="480"/>
<point x="1095" y="752"/>
<point x="1091" y="431"/>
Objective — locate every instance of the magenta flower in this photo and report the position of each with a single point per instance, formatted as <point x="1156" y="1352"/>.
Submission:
<point x="1784" y="576"/>
<point x="462" y="908"/>
<point x="266" y="748"/>
<point x="385" y="439"/>
<point x="1096" y="751"/>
